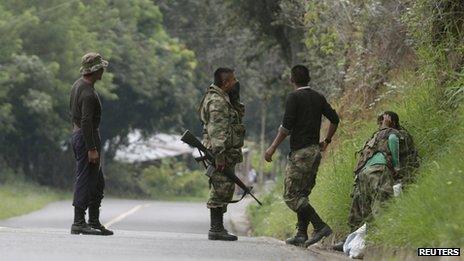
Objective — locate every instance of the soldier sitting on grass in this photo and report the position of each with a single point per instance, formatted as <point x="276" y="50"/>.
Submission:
<point x="378" y="168"/>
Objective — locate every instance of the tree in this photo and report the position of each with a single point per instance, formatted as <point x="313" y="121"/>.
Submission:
<point x="149" y="78"/>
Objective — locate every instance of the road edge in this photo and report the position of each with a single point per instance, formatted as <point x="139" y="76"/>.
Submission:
<point x="237" y="218"/>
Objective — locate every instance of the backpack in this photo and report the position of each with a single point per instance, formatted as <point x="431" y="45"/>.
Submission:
<point x="409" y="157"/>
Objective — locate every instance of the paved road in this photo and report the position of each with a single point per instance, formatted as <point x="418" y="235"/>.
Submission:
<point x="144" y="230"/>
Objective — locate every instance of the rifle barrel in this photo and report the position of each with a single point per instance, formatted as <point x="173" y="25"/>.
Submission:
<point x="253" y="196"/>
<point x="191" y="140"/>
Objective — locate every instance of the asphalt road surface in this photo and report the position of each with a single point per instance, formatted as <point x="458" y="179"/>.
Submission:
<point x="144" y="230"/>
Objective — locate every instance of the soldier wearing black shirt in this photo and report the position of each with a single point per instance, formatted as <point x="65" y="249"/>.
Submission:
<point x="85" y="108"/>
<point x="302" y="121"/>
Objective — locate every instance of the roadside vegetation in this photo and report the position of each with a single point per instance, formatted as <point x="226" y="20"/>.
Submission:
<point x="365" y="55"/>
<point x="168" y="179"/>
<point x="429" y="213"/>
<point x="427" y="91"/>
<point x="20" y="197"/>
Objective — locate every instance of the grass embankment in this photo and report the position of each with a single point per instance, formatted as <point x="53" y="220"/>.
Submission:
<point x="18" y="198"/>
<point x="429" y="212"/>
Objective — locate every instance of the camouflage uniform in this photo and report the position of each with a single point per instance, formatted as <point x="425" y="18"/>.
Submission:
<point x="409" y="158"/>
<point x="300" y="176"/>
<point x="373" y="184"/>
<point x="223" y="133"/>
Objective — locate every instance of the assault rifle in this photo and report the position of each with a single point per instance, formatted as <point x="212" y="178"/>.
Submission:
<point x="207" y="157"/>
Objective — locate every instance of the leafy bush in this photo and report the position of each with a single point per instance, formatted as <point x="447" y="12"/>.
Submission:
<point x="166" y="179"/>
<point x="172" y="179"/>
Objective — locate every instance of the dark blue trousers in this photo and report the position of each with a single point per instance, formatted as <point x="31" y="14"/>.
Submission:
<point x="90" y="182"/>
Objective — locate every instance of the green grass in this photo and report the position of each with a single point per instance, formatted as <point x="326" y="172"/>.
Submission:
<point x="18" y="198"/>
<point x="429" y="213"/>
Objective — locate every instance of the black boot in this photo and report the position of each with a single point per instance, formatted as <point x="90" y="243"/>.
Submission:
<point x="79" y="226"/>
<point x="321" y="229"/>
<point x="302" y="234"/>
<point x="217" y="230"/>
<point x="94" y="221"/>
<point x="338" y="246"/>
<point x="317" y="235"/>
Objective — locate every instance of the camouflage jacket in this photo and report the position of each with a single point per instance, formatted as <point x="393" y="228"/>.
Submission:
<point x="409" y="158"/>
<point x="223" y="131"/>
<point x="378" y="143"/>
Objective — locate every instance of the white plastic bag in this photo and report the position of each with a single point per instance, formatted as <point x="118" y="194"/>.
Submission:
<point x="397" y="189"/>
<point x="355" y="243"/>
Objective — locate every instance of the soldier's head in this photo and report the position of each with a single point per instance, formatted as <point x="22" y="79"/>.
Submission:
<point x="92" y="66"/>
<point x="390" y="119"/>
<point x="224" y="78"/>
<point x="380" y="120"/>
<point x="300" y="76"/>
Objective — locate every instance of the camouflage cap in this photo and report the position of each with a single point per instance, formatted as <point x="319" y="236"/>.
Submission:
<point x="92" y="62"/>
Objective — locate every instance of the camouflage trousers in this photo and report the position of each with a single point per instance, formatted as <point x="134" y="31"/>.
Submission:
<point x="221" y="189"/>
<point x="373" y="186"/>
<point x="300" y="176"/>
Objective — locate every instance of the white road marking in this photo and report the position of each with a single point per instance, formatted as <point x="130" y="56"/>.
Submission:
<point x="125" y="214"/>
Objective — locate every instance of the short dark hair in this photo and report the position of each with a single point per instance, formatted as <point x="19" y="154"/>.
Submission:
<point x="300" y="75"/>
<point x="395" y="119"/>
<point x="219" y="75"/>
<point x="380" y="118"/>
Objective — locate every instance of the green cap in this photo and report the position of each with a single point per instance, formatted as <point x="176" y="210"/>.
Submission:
<point x="92" y="62"/>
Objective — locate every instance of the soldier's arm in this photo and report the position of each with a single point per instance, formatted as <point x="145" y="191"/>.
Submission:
<point x="394" y="146"/>
<point x="332" y="115"/>
<point x="218" y="127"/>
<point x="329" y="112"/>
<point x="290" y="114"/>
<point x="89" y="103"/>
<point x="285" y="128"/>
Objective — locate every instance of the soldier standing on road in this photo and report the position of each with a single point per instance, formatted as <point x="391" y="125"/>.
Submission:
<point x="223" y="132"/>
<point x="86" y="111"/>
<point x="302" y="121"/>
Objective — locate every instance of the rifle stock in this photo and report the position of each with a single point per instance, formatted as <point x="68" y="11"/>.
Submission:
<point x="192" y="141"/>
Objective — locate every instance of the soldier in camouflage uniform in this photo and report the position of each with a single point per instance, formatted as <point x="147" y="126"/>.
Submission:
<point x="376" y="169"/>
<point x="302" y="121"/>
<point x="409" y="156"/>
<point x="221" y="114"/>
<point x="388" y="157"/>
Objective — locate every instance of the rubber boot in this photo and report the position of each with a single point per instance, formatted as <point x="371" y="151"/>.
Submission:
<point x="217" y="230"/>
<point x="338" y="246"/>
<point x="321" y="229"/>
<point x="94" y="221"/>
<point x="317" y="235"/>
<point x="302" y="233"/>
<point x="79" y="226"/>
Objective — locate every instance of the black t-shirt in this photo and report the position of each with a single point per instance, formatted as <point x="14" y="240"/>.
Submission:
<point x="85" y="108"/>
<point x="303" y="115"/>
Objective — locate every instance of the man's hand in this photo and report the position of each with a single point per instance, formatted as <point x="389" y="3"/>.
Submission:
<point x="93" y="156"/>
<point x="268" y="154"/>
<point x="323" y="145"/>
